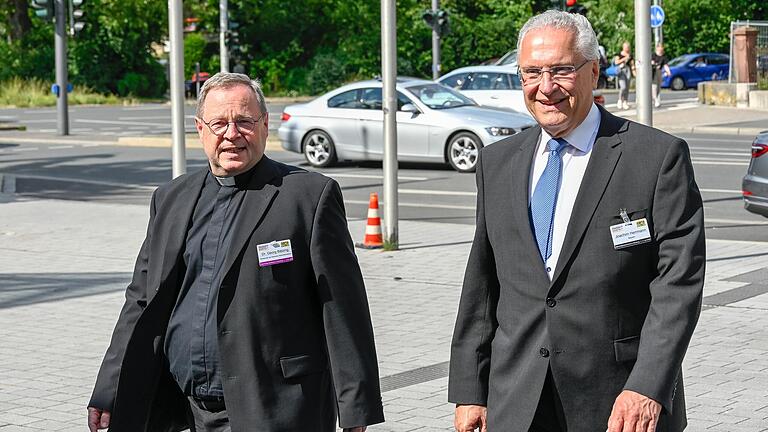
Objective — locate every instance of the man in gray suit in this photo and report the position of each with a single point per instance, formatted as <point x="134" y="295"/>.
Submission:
<point x="584" y="282"/>
<point x="247" y="310"/>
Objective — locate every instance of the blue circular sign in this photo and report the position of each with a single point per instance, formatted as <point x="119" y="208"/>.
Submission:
<point x="657" y="16"/>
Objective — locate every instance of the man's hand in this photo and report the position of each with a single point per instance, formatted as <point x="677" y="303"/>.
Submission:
<point x="633" y="412"/>
<point x="470" y="417"/>
<point x="355" y="429"/>
<point x="97" y="419"/>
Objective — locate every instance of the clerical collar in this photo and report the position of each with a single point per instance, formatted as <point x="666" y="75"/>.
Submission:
<point x="240" y="181"/>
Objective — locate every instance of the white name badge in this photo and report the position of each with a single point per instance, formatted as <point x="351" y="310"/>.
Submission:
<point x="630" y="233"/>
<point x="275" y="252"/>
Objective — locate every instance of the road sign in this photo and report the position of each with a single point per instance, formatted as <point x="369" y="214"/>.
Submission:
<point x="657" y="16"/>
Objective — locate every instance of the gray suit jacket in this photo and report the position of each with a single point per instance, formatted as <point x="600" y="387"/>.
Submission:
<point x="295" y="339"/>
<point x="610" y="319"/>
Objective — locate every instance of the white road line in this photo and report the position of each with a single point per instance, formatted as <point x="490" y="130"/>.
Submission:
<point x="91" y="145"/>
<point x="121" y="122"/>
<point x="421" y="205"/>
<point x="681" y="107"/>
<point x="60" y="147"/>
<point x="716" y="153"/>
<point x="435" y="192"/>
<point x="25" y="149"/>
<point x="728" y="191"/>
<point x="145" y="117"/>
<point x="93" y="182"/>
<point x="41" y="112"/>
<point x="704" y="162"/>
<point x="371" y="176"/>
<point x="734" y="222"/>
<point x="147" y="108"/>
<point x="38" y="121"/>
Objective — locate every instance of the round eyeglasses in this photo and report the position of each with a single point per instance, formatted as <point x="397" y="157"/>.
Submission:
<point x="244" y="125"/>
<point x="532" y="75"/>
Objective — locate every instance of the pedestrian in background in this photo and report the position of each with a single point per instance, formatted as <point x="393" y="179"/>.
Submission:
<point x="584" y="281"/>
<point x="660" y="66"/>
<point x="626" y="65"/>
<point x="247" y="309"/>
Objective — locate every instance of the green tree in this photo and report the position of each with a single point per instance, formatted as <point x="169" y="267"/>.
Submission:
<point x="116" y="47"/>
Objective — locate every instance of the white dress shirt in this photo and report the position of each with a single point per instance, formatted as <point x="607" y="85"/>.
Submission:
<point x="575" y="159"/>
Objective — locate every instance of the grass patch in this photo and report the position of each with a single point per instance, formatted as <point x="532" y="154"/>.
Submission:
<point x="20" y="93"/>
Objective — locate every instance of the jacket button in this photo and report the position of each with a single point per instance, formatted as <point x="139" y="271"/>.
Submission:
<point x="551" y="302"/>
<point x="544" y="352"/>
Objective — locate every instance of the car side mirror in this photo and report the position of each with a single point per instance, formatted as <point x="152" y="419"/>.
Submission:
<point x="410" y="108"/>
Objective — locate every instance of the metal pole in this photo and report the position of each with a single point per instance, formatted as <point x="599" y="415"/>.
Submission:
<point x="435" y="43"/>
<point x="389" y="76"/>
<point x="176" y="33"/>
<point x="643" y="61"/>
<point x="60" y="48"/>
<point x="657" y="30"/>
<point x="197" y="79"/>
<point x="223" y="28"/>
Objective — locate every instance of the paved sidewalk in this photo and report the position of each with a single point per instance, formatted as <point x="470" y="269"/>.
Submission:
<point x="64" y="266"/>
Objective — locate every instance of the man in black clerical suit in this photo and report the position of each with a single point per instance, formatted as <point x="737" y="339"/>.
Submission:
<point x="247" y="309"/>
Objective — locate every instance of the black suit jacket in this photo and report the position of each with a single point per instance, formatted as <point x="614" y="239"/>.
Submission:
<point x="610" y="319"/>
<point x="295" y="339"/>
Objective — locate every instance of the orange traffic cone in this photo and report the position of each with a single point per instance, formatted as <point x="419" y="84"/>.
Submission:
<point x="373" y="238"/>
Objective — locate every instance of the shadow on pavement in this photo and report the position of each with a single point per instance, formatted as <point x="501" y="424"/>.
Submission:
<point x="21" y="289"/>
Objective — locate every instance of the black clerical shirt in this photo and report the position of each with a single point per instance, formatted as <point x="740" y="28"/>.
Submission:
<point x="191" y="344"/>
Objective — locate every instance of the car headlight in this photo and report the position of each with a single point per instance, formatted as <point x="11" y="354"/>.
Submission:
<point x="501" y="131"/>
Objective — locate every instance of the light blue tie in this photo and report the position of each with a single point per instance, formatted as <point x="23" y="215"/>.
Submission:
<point x="545" y="197"/>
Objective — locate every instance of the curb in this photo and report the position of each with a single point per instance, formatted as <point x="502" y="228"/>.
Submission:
<point x="713" y="130"/>
<point x="165" y="141"/>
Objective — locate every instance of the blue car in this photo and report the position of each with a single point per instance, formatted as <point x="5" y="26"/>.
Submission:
<point x="690" y="69"/>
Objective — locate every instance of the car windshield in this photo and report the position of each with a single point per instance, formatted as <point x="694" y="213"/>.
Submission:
<point x="437" y="96"/>
<point x="677" y="61"/>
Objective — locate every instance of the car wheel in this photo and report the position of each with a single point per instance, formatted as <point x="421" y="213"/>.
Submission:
<point x="319" y="149"/>
<point x="462" y="151"/>
<point x="678" y="83"/>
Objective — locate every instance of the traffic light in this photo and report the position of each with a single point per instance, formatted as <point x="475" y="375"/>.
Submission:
<point x="44" y="9"/>
<point x="75" y="16"/>
<point x="575" y="8"/>
<point x="437" y="20"/>
<point x="442" y="22"/>
<point x="429" y="17"/>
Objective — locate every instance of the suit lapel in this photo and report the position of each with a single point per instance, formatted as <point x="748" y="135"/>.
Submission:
<point x="520" y="169"/>
<point x="602" y="163"/>
<point x="258" y="197"/>
<point x="171" y="225"/>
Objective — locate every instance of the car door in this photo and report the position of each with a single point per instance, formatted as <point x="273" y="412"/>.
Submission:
<point x="699" y="70"/>
<point x="412" y="130"/>
<point x="508" y="93"/>
<point x="341" y="121"/>
<point x="495" y="89"/>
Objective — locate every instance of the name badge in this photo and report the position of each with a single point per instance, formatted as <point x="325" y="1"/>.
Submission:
<point x="275" y="252"/>
<point x="630" y="233"/>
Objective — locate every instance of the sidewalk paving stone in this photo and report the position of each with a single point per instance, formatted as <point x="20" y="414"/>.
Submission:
<point x="64" y="266"/>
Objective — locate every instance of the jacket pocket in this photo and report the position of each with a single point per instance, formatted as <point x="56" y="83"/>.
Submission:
<point x="296" y="366"/>
<point x="626" y="349"/>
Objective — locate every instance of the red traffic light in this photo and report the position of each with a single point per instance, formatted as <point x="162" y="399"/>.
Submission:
<point x="570" y="3"/>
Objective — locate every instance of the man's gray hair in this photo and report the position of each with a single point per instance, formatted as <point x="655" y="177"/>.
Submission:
<point x="586" y="40"/>
<point x="227" y="80"/>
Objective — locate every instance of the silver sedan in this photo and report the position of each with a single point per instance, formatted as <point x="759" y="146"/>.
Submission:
<point x="434" y="124"/>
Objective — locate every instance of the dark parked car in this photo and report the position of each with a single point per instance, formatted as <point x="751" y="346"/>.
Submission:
<point x="690" y="69"/>
<point x="755" y="184"/>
